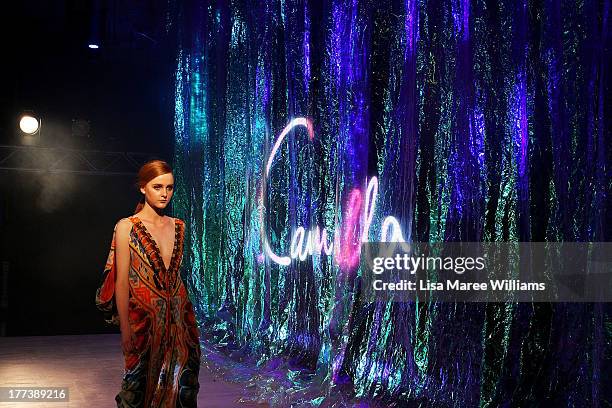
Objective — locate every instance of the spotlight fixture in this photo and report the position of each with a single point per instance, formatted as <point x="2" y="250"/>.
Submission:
<point x="80" y="128"/>
<point x="94" y="46"/>
<point x="29" y="124"/>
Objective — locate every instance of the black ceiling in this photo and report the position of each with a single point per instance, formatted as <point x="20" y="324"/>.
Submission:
<point x="124" y="88"/>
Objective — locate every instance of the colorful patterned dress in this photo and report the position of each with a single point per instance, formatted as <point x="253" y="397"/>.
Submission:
<point x="163" y="370"/>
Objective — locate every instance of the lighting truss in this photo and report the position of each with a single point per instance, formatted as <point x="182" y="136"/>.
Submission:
<point x="61" y="160"/>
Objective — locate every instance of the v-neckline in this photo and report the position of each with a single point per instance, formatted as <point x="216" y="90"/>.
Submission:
<point x="157" y="247"/>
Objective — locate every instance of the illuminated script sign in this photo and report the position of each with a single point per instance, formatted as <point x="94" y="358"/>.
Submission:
<point x="345" y="246"/>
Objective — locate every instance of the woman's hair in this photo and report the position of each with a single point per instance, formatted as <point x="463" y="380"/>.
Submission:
<point x="148" y="172"/>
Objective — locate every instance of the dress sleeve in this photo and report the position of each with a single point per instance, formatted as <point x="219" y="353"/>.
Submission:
<point x="105" y="294"/>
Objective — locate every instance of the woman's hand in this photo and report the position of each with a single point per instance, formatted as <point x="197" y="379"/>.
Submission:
<point x="128" y="339"/>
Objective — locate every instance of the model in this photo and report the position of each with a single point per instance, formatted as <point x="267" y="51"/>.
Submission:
<point x="143" y="293"/>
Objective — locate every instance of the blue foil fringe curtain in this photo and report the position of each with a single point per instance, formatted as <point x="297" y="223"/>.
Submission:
<point x="483" y="120"/>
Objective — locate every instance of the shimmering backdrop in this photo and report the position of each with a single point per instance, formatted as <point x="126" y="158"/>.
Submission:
<point x="469" y="120"/>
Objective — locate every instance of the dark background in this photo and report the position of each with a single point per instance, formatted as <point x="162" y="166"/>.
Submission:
<point x="56" y="227"/>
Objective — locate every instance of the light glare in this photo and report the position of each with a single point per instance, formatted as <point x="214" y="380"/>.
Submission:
<point x="28" y="124"/>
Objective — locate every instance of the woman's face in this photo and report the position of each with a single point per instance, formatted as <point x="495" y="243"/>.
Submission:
<point x="158" y="191"/>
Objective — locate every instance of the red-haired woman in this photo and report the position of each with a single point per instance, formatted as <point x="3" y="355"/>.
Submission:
<point x="143" y="293"/>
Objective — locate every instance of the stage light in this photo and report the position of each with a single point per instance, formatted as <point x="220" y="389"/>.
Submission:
<point x="29" y="124"/>
<point x="94" y="46"/>
<point x="80" y="128"/>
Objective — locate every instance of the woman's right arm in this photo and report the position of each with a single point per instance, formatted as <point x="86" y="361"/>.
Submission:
<point x="122" y="259"/>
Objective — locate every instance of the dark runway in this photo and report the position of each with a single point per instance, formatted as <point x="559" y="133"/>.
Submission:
<point x="91" y="366"/>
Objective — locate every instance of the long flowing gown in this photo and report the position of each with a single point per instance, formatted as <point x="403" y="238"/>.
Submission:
<point x="163" y="370"/>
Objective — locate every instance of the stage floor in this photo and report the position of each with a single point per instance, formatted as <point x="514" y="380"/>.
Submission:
<point x="91" y="366"/>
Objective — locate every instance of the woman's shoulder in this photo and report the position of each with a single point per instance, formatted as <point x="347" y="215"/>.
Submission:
<point x="124" y="224"/>
<point x="122" y="230"/>
<point x="178" y="221"/>
<point x="124" y="221"/>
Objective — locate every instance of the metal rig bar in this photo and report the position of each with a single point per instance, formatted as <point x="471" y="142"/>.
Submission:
<point x="61" y="160"/>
